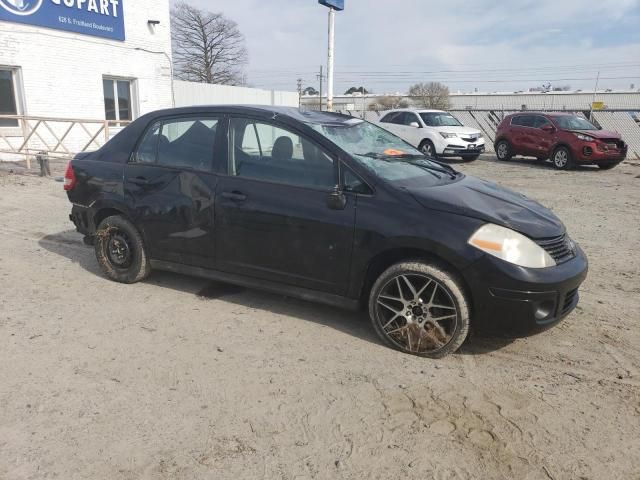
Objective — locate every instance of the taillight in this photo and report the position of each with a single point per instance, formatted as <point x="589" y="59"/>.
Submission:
<point x="69" y="178"/>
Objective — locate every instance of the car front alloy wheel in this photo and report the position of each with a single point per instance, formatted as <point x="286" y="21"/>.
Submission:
<point x="562" y="158"/>
<point x="428" y="149"/>
<point x="419" y="308"/>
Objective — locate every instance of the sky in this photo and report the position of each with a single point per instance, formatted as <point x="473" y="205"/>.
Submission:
<point x="487" y="45"/>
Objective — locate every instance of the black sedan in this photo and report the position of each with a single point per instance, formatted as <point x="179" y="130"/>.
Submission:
<point x="328" y="208"/>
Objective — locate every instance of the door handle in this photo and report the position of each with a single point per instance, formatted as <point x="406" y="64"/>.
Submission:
<point x="139" y="181"/>
<point x="235" y="196"/>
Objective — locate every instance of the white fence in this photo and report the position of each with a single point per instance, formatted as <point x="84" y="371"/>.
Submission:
<point x="191" y="93"/>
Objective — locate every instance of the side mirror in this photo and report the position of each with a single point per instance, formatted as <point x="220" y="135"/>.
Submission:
<point x="548" y="128"/>
<point x="337" y="200"/>
<point x="414" y="124"/>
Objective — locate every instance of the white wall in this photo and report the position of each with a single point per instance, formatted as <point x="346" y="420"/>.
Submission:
<point x="62" y="72"/>
<point x="192" y="93"/>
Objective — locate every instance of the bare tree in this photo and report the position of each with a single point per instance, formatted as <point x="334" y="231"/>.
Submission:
<point x="207" y="47"/>
<point x="388" y="102"/>
<point x="431" y="95"/>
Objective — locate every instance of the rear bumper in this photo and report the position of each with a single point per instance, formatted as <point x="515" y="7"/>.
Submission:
<point x="521" y="300"/>
<point x="82" y="219"/>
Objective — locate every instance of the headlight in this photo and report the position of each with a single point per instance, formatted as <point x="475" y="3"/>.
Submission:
<point x="448" y="135"/>
<point x="480" y="135"/>
<point x="586" y="138"/>
<point x="510" y="246"/>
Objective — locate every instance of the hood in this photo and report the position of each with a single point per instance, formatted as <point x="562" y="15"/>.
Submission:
<point x="462" y="130"/>
<point x="487" y="201"/>
<point x="599" y="133"/>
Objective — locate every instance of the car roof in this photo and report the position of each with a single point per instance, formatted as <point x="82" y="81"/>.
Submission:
<point x="266" y="111"/>
<point x="417" y="110"/>
<point x="547" y="114"/>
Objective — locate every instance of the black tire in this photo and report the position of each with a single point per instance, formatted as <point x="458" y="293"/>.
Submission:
<point x="503" y="150"/>
<point x="428" y="149"/>
<point x="470" y="158"/>
<point x="607" y="166"/>
<point x="401" y="320"/>
<point x="562" y="158"/>
<point x="120" y="250"/>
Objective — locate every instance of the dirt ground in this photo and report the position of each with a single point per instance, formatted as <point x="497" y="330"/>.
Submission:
<point x="179" y="378"/>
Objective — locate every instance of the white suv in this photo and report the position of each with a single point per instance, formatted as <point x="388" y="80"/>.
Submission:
<point x="435" y="132"/>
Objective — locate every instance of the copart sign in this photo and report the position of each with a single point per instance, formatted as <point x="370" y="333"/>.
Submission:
<point x="99" y="18"/>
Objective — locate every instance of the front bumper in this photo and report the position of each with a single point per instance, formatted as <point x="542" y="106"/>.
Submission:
<point x="592" y="152"/>
<point x="518" y="299"/>
<point x="457" y="147"/>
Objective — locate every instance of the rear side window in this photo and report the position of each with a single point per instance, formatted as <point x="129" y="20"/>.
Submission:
<point x="186" y="142"/>
<point x="523" y="121"/>
<point x="148" y="148"/>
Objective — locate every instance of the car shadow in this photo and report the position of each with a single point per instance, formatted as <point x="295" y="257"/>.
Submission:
<point x="531" y="162"/>
<point x="69" y="244"/>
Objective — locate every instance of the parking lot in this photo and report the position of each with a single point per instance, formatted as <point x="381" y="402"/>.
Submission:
<point x="181" y="378"/>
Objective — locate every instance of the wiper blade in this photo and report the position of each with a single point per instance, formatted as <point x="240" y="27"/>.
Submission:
<point x="408" y="156"/>
<point x="447" y="170"/>
<point x="383" y="156"/>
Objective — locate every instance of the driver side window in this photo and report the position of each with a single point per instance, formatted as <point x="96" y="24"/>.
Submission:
<point x="264" y="151"/>
<point x="410" y="118"/>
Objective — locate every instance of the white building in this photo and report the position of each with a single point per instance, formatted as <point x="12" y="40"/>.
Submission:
<point x="84" y="59"/>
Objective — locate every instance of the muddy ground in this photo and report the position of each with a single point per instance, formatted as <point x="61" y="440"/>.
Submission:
<point x="178" y="378"/>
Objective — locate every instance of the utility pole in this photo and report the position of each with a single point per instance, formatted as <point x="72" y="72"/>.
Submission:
<point x="333" y="5"/>
<point x="595" y="91"/>
<point x="299" y="92"/>
<point x="320" y="76"/>
<point x="332" y="27"/>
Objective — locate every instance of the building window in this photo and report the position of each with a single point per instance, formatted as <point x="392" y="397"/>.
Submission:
<point x="8" y="100"/>
<point x="118" y="103"/>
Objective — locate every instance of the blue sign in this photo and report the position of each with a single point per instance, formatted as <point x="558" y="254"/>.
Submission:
<point x="335" y="4"/>
<point x="99" y="18"/>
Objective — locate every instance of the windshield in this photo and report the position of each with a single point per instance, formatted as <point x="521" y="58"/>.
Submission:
<point x="439" y="119"/>
<point x="574" y="123"/>
<point x="386" y="155"/>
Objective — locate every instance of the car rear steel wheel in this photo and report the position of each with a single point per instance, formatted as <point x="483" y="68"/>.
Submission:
<point x="120" y="250"/>
<point x="419" y="309"/>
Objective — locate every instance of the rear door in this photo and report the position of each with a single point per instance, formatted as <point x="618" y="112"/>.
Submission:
<point x="392" y="122"/>
<point x="170" y="185"/>
<point x="273" y="220"/>
<point x="521" y="126"/>
<point x="410" y="132"/>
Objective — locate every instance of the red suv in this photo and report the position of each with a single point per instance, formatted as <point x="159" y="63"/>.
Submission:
<point x="566" y="139"/>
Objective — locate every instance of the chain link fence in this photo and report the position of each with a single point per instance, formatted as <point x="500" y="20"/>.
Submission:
<point x="625" y="122"/>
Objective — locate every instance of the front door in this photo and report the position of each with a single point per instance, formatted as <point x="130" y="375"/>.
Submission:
<point x="542" y="140"/>
<point x="172" y="190"/>
<point x="273" y="220"/>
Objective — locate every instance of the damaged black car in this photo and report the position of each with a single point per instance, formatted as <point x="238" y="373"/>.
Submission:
<point x="327" y="208"/>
